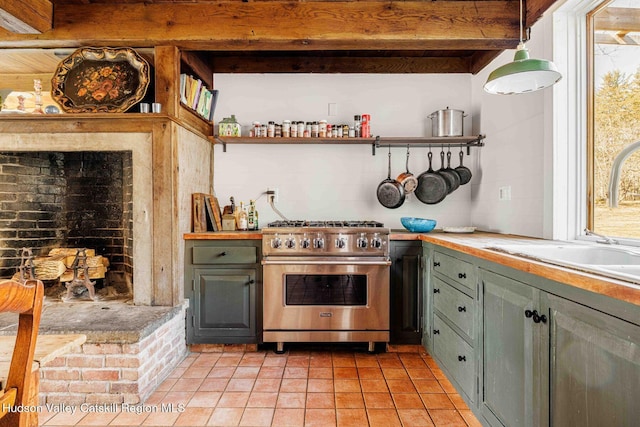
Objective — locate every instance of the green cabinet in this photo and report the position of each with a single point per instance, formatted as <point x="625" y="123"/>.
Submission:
<point x="223" y="282"/>
<point x="546" y="353"/>
<point x="406" y="292"/>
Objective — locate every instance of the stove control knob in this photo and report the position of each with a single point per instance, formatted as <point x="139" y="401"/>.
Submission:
<point x="318" y="243"/>
<point x="341" y="242"/>
<point x="305" y="243"/>
<point x="376" y="242"/>
<point x="290" y="243"/>
<point x="362" y="241"/>
<point x="276" y="243"/>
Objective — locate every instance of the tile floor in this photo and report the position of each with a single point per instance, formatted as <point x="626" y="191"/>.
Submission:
<point x="303" y="387"/>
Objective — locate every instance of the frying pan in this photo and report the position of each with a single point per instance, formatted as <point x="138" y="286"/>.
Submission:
<point x="449" y="175"/>
<point x="432" y="187"/>
<point x="463" y="171"/>
<point x="390" y="192"/>
<point x="408" y="181"/>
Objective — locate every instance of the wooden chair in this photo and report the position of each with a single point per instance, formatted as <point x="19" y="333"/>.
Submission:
<point x="25" y="299"/>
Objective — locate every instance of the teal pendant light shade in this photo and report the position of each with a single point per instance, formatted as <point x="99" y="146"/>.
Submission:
<point x="522" y="75"/>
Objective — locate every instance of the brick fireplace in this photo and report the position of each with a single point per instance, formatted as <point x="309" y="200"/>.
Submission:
<point x="69" y="200"/>
<point x="130" y="346"/>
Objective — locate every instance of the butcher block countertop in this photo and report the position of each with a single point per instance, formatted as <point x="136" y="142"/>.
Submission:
<point x="474" y="244"/>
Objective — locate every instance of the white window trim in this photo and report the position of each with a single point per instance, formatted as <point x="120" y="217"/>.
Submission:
<point x="570" y="122"/>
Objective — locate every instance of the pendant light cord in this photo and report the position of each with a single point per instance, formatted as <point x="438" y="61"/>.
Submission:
<point x="521" y="41"/>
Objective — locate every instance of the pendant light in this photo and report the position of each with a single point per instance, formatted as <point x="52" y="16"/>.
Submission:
<point x="523" y="74"/>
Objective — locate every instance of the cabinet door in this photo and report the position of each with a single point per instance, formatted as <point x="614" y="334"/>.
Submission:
<point x="224" y="305"/>
<point x="594" y="366"/>
<point x="406" y="292"/>
<point x="510" y="367"/>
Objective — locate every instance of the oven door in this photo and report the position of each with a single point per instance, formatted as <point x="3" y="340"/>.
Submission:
<point x="337" y="294"/>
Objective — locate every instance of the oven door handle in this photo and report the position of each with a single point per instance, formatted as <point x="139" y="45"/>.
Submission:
<point x="332" y="262"/>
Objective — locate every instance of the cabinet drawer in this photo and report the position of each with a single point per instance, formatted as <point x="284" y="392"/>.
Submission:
<point x="224" y="255"/>
<point x="455" y="354"/>
<point x="458" y="270"/>
<point x="456" y="306"/>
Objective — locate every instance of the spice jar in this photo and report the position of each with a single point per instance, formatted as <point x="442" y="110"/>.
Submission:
<point x="271" y="129"/>
<point x="286" y="128"/>
<point x="322" y="129"/>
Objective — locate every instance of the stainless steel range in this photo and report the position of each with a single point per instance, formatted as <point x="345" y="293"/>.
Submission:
<point x="325" y="281"/>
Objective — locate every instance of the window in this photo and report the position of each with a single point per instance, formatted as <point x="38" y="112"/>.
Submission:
<point x="613" y="119"/>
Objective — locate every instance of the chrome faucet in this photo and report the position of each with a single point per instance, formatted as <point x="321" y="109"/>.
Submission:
<point x="605" y="239"/>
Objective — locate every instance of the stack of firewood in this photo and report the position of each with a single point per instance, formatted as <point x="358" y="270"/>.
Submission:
<point x="58" y="265"/>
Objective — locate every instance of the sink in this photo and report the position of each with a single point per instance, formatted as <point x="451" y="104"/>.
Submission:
<point x="620" y="262"/>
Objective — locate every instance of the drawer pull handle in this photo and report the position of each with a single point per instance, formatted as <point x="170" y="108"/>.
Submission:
<point x="462" y="358"/>
<point x="436" y="291"/>
<point x="462" y="275"/>
<point x="222" y="254"/>
<point x="251" y="282"/>
<point x="436" y="263"/>
<point x="436" y="332"/>
<point x="537" y="318"/>
<point x="462" y="308"/>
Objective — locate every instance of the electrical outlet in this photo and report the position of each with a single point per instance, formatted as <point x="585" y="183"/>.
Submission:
<point x="333" y="109"/>
<point x="273" y="192"/>
<point x="504" y="193"/>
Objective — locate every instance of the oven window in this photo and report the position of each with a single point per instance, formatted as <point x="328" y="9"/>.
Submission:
<point x="326" y="289"/>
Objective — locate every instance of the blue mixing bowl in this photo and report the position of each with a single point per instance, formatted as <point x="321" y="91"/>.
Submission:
<point x="418" y="225"/>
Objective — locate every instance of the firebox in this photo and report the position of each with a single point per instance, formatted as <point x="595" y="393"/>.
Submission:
<point x="69" y="200"/>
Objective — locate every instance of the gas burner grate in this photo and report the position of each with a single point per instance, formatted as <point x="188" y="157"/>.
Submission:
<point x="327" y="224"/>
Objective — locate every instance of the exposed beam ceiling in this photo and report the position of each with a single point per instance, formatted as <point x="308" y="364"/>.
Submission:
<point x="26" y="16"/>
<point x="414" y="36"/>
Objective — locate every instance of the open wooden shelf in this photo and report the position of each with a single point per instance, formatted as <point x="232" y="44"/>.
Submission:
<point x="376" y="142"/>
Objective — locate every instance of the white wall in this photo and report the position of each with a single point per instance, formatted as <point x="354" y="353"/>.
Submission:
<point x="518" y="152"/>
<point x="338" y="181"/>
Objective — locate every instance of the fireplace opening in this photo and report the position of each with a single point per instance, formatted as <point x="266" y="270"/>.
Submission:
<point x="76" y="200"/>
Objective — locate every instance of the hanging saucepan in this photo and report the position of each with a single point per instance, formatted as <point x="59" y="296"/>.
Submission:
<point x="390" y="191"/>
<point x="449" y="175"/>
<point x="463" y="171"/>
<point x="408" y="181"/>
<point x="432" y="187"/>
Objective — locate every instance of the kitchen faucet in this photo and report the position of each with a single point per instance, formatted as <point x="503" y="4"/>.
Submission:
<point x="605" y="239"/>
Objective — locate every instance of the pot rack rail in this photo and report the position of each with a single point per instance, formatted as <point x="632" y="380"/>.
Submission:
<point x="376" y="142"/>
<point x="438" y="142"/>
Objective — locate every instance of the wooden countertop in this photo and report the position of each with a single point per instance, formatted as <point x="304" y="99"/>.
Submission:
<point x="474" y="244"/>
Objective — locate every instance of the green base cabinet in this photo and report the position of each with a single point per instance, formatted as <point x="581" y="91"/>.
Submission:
<point x="223" y="282"/>
<point x="546" y="354"/>
<point x="406" y="292"/>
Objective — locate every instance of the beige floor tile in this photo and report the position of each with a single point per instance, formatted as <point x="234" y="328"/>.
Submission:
<point x="214" y="384"/>
<point x="206" y="360"/>
<point x="233" y="399"/>
<point x="256" y="417"/>
<point x="187" y="384"/>
<point x="378" y="400"/>
<point x="192" y="417"/>
<point x="349" y="400"/>
<point x="204" y="399"/>
<point x="166" y="384"/>
<point x="319" y="385"/>
<point x="288" y="417"/>
<point x="346" y="386"/>
<point x="351" y="418"/>
<point x="196" y="372"/>
<point x="267" y="385"/>
<point x="321" y="400"/>
<point x="262" y="400"/>
<point x="321" y="372"/>
<point x="291" y="400"/>
<point x="383" y="418"/>
<point x="447" y="418"/>
<point x="221" y="372"/>
<point x="161" y="419"/>
<point x="414" y="418"/>
<point x="225" y="417"/>
<point x="293" y="385"/>
<point x="320" y="418"/>
<point x="271" y="372"/>
<point x="178" y="397"/>
<point x="246" y="372"/>
<point x="127" y="419"/>
<point x="295" y="372"/>
<point x="240" y="384"/>
<point x="96" y="419"/>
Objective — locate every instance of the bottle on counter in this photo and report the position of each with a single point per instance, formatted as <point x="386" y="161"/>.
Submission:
<point x="242" y="220"/>
<point x="252" y="218"/>
<point x="357" y="125"/>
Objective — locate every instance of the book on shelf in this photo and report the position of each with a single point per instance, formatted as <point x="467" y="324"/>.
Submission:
<point x="195" y="95"/>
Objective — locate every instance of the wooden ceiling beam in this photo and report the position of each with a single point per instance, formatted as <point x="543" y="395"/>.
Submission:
<point x="334" y="64"/>
<point x="26" y="16"/>
<point x="335" y="25"/>
<point x="618" y="19"/>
